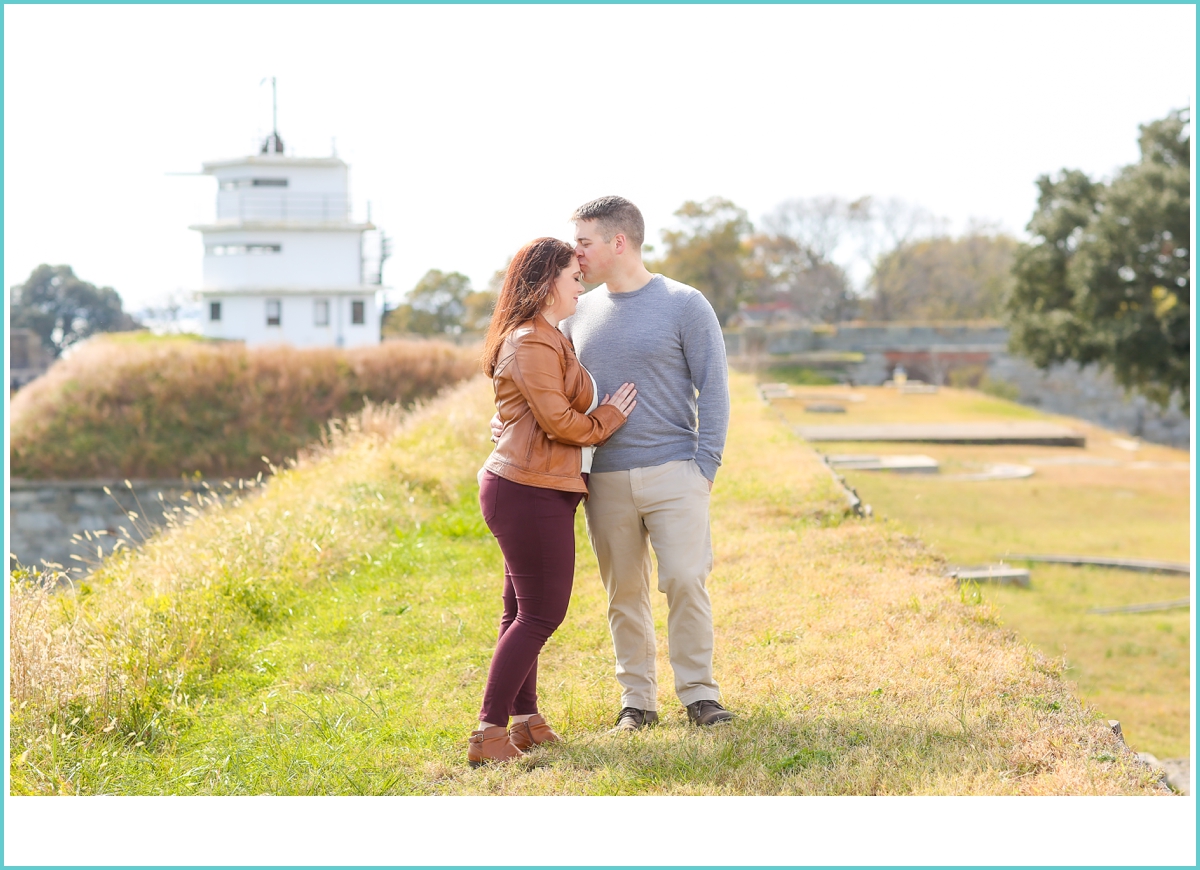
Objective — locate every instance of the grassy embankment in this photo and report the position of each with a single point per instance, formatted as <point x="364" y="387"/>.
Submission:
<point x="332" y="635"/>
<point x="1103" y="500"/>
<point x="132" y="405"/>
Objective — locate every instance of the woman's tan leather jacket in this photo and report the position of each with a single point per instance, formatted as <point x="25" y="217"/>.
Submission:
<point x="542" y="395"/>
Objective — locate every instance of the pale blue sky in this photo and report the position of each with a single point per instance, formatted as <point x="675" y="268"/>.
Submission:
<point x="472" y="129"/>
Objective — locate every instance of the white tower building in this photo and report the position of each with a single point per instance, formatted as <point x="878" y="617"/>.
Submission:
<point x="283" y="261"/>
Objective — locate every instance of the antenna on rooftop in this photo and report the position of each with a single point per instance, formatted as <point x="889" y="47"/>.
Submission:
<point x="272" y="144"/>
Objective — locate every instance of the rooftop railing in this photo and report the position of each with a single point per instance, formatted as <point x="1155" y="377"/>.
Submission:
<point x="277" y="206"/>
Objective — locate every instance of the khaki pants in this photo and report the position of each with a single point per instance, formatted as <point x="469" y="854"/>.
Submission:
<point x="664" y="506"/>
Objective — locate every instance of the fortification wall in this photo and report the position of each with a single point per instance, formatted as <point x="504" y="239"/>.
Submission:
<point x="44" y="515"/>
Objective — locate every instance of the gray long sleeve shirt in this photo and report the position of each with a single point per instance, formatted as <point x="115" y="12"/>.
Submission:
<point x="665" y="339"/>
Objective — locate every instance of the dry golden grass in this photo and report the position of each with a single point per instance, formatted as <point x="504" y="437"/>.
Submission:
<point x="332" y="636"/>
<point x="1101" y="500"/>
<point x="159" y="408"/>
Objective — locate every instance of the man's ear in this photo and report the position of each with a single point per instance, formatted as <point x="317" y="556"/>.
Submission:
<point x="619" y="243"/>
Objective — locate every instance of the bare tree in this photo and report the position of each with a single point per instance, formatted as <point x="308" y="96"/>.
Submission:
<point x="892" y="229"/>
<point x="778" y="268"/>
<point x="806" y="251"/>
<point x="821" y="225"/>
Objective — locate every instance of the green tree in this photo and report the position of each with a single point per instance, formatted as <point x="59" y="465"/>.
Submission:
<point x="480" y="304"/>
<point x="1106" y="278"/>
<point x="64" y="310"/>
<point x="436" y="305"/>
<point x="944" y="278"/>
<point x="709" y="253"/>
<point x="477" y="310"/>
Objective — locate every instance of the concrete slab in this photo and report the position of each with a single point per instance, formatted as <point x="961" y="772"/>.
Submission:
<point x="824" y="408"/>
<point x="901" y="464"/>
<point x="1152" y="566"/>
<point x="1001" y="574"/>
<point x="1026" y="432"/>
<point x="995" y="471"/>
<point x="775" y="391"/>
<point x="1145" y="608"/>
<point x="828" y="397"/>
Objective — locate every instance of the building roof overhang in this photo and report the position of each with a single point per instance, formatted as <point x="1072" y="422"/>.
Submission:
<point x="353" y="290"/>
<point x="274" y="160"/>
<point x="278" y="226"/>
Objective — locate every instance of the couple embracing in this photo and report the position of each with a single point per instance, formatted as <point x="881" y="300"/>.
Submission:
<point x="620" y="398"/>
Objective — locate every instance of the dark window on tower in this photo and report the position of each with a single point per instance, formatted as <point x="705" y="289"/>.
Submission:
<point x="214" y="311"/>
<point x="235" y="183"/>
<point x="358" y="312"/>
<point x="233" y="250"/>
<point x="273" y="313"/>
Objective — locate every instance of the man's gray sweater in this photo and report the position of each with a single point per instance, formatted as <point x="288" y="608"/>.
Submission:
<point x="665" y="339"/>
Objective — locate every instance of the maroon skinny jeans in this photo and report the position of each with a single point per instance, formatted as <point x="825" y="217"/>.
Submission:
<point x="535" y="528"/>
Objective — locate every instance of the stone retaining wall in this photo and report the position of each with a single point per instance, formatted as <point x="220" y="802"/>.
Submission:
<point x="1093" y="395"/>
<point x="44" y="514"/>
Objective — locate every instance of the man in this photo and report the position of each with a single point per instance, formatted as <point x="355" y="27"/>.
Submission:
<point x="650" y="482"/>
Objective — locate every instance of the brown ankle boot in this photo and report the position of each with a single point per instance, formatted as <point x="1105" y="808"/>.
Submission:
<point x="531" y="732"/>
<point x="490" y="744"/>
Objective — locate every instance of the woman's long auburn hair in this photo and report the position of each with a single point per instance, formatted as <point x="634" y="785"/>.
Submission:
<point x="527" y="285"/>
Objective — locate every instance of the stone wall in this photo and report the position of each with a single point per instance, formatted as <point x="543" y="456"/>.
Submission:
<point x="45" y="514"/>
<point x="1093" y="395"/>
<point x="867" y="338"/>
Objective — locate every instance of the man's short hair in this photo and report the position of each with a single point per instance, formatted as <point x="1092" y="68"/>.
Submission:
<point x="614" y="214"/>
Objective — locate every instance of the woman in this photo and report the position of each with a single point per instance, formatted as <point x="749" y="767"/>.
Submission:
<point x="534" y="480"/>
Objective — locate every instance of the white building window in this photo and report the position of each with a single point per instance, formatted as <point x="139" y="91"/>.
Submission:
<point x="274" y="314"/>
<point x="235" y="183"/>
<point x="358" y="312"/>
<point x="214" y="311"/>
<point x="321" y="312"/>
<point x="234" y="250"/>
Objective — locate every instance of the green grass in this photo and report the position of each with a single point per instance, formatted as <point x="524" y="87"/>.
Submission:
<point x="1132" y="667"/>
<point x="331" y="636"/>
<point x="796" y="374"/>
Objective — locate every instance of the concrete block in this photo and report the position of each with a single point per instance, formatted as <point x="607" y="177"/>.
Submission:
<point x="1003" y="575"/>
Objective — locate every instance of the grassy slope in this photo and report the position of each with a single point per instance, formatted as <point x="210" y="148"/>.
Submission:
<point x="1134" y="667"/>
<point x="145" y="406"/>
<point x="350" y="614"/>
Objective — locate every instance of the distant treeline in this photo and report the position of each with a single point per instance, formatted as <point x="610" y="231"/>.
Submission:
<point x="817" y="260"/>
<point x="1104" y="277"/>
<point x="160" y="408"/>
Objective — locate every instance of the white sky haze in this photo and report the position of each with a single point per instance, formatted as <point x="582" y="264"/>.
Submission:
<point x="472" y="129"/>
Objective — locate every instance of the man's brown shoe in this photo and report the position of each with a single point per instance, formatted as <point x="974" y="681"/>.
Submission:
<point x="491" y="744"/>
<point x="531" y="732"/>
<point x="707" y="713"/>
<point x="633" y="719"/>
